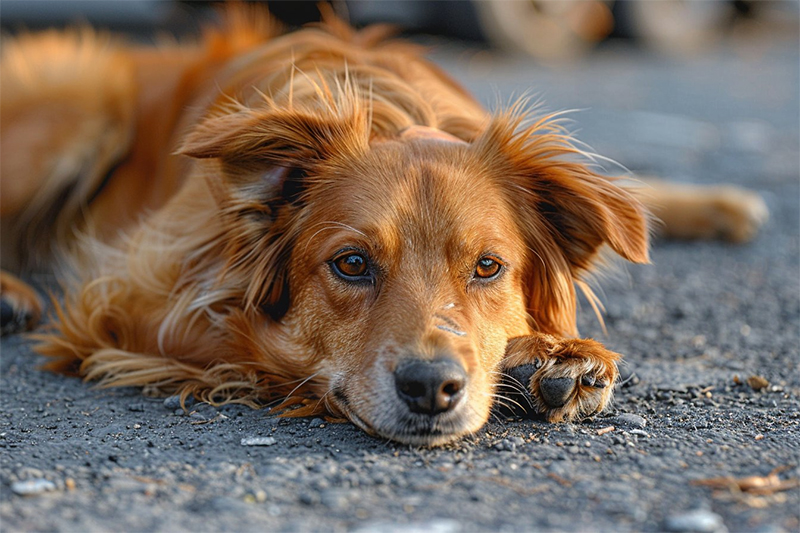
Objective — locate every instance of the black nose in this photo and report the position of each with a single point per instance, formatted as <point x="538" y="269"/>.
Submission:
<point x="430" y="387"/>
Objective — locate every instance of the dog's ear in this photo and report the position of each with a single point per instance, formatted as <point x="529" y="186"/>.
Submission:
<point x="567" y="213"/>
<point x="271" y="136"/>
<point x="259" y="164"/>
<point x="585" y="211"/>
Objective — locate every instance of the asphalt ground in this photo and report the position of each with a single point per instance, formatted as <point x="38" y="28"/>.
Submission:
<point x="685" y="444"/>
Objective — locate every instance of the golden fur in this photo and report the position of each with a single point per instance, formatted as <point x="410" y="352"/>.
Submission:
<point x="203" y="200"/>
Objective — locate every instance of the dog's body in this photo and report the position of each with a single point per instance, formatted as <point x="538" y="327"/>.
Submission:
<point x="341" y="224"/>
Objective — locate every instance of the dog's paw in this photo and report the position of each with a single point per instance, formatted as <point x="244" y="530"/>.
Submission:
<point x="20" y="306"/>
<point x="562" y="380"/>
<point x="736" y="214"/>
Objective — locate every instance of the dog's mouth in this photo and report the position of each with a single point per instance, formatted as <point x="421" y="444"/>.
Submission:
<point x="398" y="424"/>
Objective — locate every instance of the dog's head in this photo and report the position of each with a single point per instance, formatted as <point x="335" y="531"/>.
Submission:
<point x="400" y="263"/>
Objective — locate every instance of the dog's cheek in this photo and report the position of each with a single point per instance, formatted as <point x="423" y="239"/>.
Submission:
<point x="503" y="316"/>
<point x="330" y="321"/>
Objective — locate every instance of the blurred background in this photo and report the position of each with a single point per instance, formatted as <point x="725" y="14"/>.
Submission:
<point x="548" y="30"/>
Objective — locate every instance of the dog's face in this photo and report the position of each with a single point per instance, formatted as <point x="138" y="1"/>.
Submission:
<point x="400" y="267"/>
<point x="410" y="282"/>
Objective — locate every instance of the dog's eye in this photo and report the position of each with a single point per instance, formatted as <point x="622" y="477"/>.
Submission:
<point x="488" y="267"/>
<point x="351" y="265"/>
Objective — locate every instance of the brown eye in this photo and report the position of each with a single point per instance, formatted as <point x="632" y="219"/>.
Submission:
<point x="350" y="265"/>
<point x="487" y="267"/>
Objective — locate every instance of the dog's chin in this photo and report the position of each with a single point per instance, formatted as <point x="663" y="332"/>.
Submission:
<point x="398" y="424"/>
<point x="438" y="433"/>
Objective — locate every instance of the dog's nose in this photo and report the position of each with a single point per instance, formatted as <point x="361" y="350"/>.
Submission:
<point x="430" y="387"/>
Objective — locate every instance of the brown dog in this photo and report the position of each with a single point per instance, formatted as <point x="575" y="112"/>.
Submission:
<point x="322" y="217"/>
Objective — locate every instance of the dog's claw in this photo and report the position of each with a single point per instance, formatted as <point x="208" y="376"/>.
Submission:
<point x="556" y="391"/>
<point x="593" y="381"/>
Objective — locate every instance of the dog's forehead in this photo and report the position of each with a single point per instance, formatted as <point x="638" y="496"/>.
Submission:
<point x="421" y="190"/>
<point x="423" y="177"/>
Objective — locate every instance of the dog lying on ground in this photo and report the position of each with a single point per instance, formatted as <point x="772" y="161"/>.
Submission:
<point x="322" y="218"/>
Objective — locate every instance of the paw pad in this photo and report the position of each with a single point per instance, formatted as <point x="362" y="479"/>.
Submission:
<point x="556" y="391"/>
<point x="520" y="376"/>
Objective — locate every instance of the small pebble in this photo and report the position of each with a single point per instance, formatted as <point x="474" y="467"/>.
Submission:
<point x="258" y="441"/>
<point x="316" y="423"/>
<point x="700" y="520"/>
<point x="630" y="420"/>
<point x="437" y="525"/>
<point x="757" y="382"/>
<point x="31" y="487"/>
<point x="174" y="402"/>
<point x="309" y="498"/>
<point x="137" y="407"/>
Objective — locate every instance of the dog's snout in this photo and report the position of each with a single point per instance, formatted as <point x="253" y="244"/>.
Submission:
<point x="430" y="387"/>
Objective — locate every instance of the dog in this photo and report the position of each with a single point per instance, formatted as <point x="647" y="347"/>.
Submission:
<point x="322" y="219"/>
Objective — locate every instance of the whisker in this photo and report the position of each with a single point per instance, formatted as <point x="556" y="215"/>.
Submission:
<point x="312" y="376"/>
<point x="506" y="399"/>
<point x="512" y="387"/>
<point x="495" y="417"/>
<point x="324" y="398"/>
<point x="512" y="383"/>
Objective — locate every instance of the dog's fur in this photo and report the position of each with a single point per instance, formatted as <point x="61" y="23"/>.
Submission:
<point x="197" y="200"/>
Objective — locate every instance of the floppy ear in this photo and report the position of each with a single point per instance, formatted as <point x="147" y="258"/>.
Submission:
<point x="567" y="214"/>
<point x="288" y="137"/>
<point x="586" y="211"/>
<point x="260" y="162"/>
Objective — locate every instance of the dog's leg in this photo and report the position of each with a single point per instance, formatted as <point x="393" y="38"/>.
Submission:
<point x="560" y="379"/>
<point x="686" y="211"/>
<point x="20" y="306"/>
